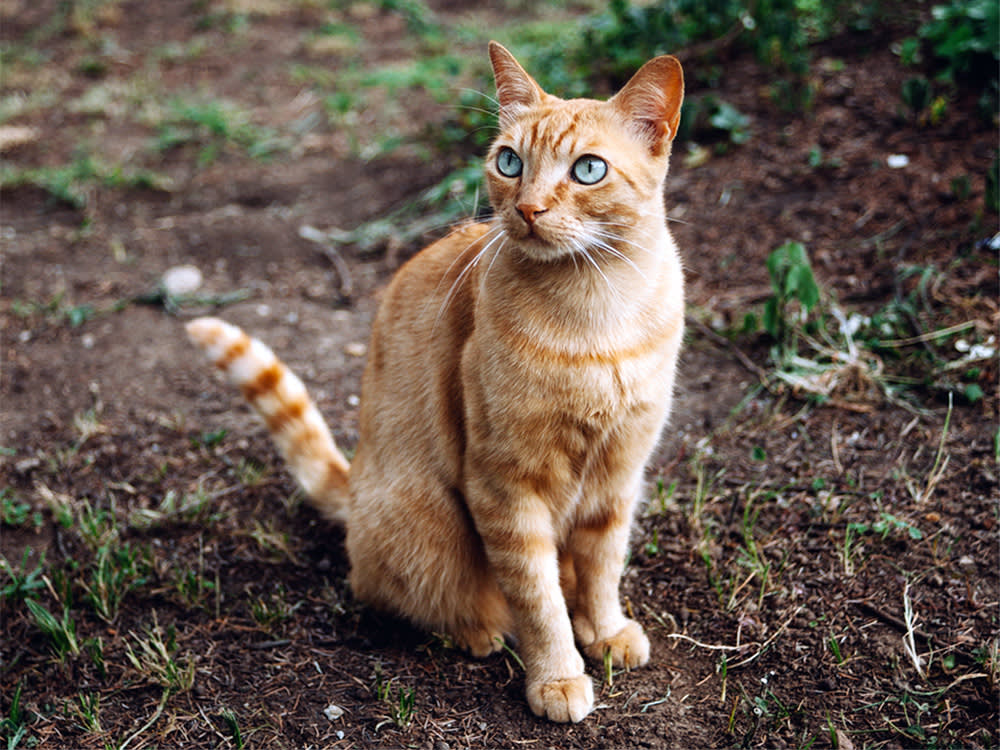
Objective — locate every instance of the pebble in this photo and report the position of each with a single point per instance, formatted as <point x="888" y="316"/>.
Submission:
<point x="333" y="712"/>
<point x="181" y="280"/>
<point x="355" y="349"/>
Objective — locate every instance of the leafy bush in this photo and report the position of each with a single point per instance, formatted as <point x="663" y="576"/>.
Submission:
<point x="627" y="35"/>
<point x="965" y="35"/>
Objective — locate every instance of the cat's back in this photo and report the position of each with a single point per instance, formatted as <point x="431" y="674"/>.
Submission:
<point x="411" y="400"/>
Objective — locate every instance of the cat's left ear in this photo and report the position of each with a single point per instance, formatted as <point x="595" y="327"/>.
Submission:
<point x="516" y="90"/>
<point x="651" y="101"/>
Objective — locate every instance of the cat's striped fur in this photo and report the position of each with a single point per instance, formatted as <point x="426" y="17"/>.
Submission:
<point x="518" y="378"/>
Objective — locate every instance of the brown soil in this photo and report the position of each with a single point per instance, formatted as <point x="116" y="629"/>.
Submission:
<point x="771" y="579"/>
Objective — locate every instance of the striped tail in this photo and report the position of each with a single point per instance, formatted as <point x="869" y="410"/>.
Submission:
<point x="281" y="399"/>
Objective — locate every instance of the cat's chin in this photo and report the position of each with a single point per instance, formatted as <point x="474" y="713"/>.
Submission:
<point x="540" y="250"/>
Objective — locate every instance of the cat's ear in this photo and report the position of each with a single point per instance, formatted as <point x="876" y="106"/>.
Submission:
<point x="516" y="90"/>
<point x="651" y="101"/>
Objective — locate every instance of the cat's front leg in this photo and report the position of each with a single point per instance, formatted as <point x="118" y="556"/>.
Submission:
<point x="516" y="528"/>
<point x="598" y="546"/>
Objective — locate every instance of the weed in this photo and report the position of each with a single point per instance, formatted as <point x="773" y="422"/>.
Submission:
<point x="652" y="547"/>
<point x="795" y="294"/>
<point x="176" y="507"/>
<point x="73" y="184"/>
<point x="402" y="704"/>
<point x="213" y="125"/>
<point x="274" y="610"/>
<point x="95" y="649"/>
<point x="193" y="587"/>
<point x="13" y="512"/>
<point x="663" y="499"/>
<point x="61" y="631"/>
<point x="229" y="717"/>
<point x="23" y="582"/>
<point x="609" y="668"/>
<point x="14" y="725"/>
<point x="883" y="527"/>
<point x="87" y="708"/>
<point x="154" y="656"/>
<point x="250" y="471"/>
<point x="116" y="571"/>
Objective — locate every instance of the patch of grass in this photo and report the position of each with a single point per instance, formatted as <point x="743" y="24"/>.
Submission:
<point x="154" y="655"/>
<point x="213" y="125"/>
<point x="61" y="631"/>
<point x="73" y="184"/>
<point x="401" y="703"/>
<point x="14" y="512"/>
<point x="87" y="709"/>
<point x="174" y="508"/>
<point x="272" y="611"/>
<point x="14" y="725"/>
<point x="116" y="570"/>
<point x="22" y="583"/>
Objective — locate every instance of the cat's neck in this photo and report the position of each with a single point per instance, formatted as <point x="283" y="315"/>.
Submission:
<point x="607" y="295"/>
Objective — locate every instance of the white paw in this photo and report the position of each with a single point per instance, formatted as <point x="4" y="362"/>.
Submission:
<point x="629" y="647"/>
<point x="565" y="700"/>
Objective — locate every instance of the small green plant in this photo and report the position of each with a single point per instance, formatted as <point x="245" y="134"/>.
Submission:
<point x="87" y="708"/>
<point x="233" y="724"/>
<point x="13" y="512"/>
<point x="213" y="125"/>
<point x="22" y="583"/>
<point x="61" y="631"/>
<point x="14" y="725"/>
<point x="116" y="571"/>
<point x="885" y="525"/>
<point x="154" y="656"/>
<point x="193" y="587"/>
<point x="402" y="704"/>
<point x="795" y="294"/>
<point x="73" y="184"/>
<point x="272" y="611"/>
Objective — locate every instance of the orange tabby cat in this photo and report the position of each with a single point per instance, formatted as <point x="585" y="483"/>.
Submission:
<point x="518" y="378"/>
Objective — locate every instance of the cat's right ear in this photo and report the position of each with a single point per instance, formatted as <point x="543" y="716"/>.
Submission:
<point x="651" y="102"/>
<point x="516" y="90"/>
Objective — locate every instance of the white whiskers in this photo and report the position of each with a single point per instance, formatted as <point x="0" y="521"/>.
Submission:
<point x="498" y="234"/>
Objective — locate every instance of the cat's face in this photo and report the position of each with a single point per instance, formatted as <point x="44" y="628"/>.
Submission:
<point x="567" y="177"/>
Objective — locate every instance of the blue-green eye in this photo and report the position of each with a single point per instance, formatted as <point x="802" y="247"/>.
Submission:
<point x="589" y="170"/>
<point x="509" y="163"/>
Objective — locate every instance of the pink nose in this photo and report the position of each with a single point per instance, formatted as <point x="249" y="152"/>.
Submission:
<point x="529" y="212"/>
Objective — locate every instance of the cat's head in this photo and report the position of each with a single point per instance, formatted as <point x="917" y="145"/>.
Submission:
<point x="568" y="176"/>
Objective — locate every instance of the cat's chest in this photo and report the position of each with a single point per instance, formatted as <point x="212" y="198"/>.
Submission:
<point x="596" y="377"/>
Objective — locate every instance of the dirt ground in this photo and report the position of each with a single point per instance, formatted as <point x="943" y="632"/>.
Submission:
<point x="811" y="572"/>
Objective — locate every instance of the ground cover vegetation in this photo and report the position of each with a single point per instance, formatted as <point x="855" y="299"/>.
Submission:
<point x="817" y="565"/>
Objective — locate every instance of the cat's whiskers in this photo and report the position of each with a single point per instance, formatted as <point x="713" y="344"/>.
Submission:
<point x="498" y="234"/>
<point x="583" y="251"/>
<point x="600" y="244"/>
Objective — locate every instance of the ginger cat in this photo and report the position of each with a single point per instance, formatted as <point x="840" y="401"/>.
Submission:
<point x="519" y="375"/>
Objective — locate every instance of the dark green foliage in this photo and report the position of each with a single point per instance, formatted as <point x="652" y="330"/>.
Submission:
<point x="965" y="35"/>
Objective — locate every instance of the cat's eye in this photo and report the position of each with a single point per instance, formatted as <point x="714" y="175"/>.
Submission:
<point x="589" y="170"/>
<point x="509" y="163"/>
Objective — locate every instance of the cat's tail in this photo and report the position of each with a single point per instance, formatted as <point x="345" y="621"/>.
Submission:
<point x="292" y="418"/>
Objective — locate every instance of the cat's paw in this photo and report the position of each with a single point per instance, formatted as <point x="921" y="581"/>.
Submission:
<point x="565" y="700"/>
<point x="629" y="647"/>
<point x="479" y="642"/>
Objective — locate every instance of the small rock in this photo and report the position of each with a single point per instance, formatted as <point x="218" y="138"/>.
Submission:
<point x="897" y="161"/>
<point x="355" y="349"/>
<point x="333" y="712"/>
<point x="181" y="280"/>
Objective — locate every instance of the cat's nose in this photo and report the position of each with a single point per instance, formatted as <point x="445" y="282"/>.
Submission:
<point x="529" y="212"/>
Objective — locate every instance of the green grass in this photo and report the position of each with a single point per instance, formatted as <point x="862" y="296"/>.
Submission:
<point x="73" y="183"/>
